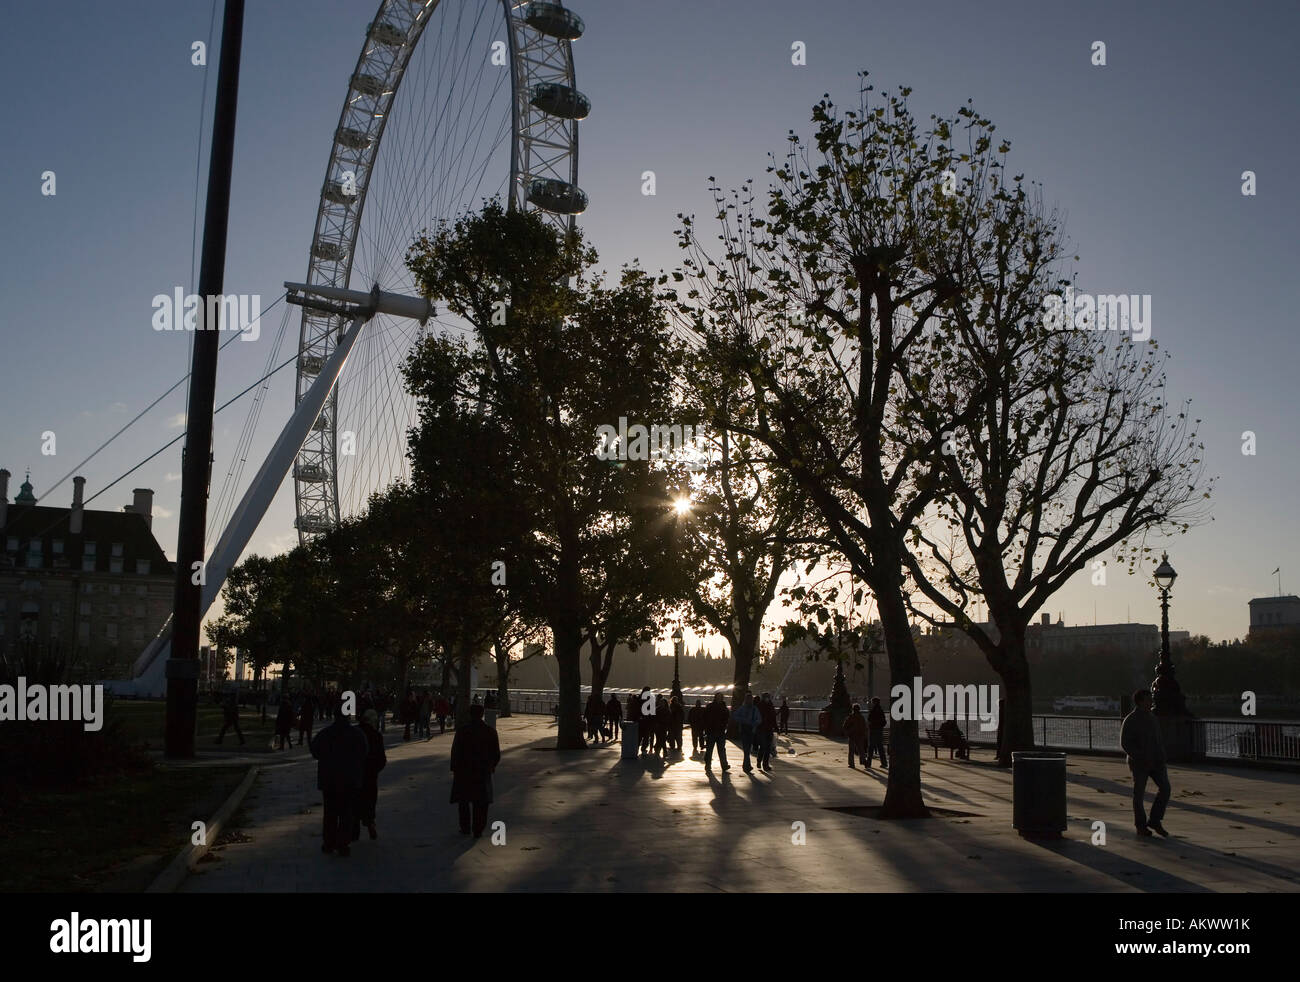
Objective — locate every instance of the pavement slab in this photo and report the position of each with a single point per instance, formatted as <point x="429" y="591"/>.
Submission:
<point x="587" y="821"/>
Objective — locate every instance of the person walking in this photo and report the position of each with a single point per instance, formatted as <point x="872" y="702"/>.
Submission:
<point x="442" y="709"/>
<point x="306" y="713"/>
<point x="1141" y="739"/>
<point x="695" y="719"/>
<point x="715" y="722"/>
<point x="613" y="716"/>
<point x="876" y="733"/>
<point x="230" y="717"/>
<point x="284" y="723"/>
<point x="766" y="732"/>
<point x="475" y="753"/>
<point x="376" y="761"/>
<point x="645" y="718"/>
<point x="676" y="723"/>
<point x="595" y="716"/>
<point x="341" y="751"/>
<point x="785" y="716"/>
<point x="855" y="728"/>
<point x="747" y="717"/>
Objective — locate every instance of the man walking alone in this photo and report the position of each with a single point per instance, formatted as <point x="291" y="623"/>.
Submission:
<point x="1140" y="737"/>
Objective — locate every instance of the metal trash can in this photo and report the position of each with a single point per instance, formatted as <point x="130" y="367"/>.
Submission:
<point x="1038" y="793"/>
<point x="631" y="739"/>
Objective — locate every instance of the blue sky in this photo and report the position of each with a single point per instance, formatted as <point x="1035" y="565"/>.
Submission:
<point x="1144" y="156"/>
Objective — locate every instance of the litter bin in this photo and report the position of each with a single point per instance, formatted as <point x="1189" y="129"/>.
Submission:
<point x="631" y="739"/>
<point x="1038" y="793"/>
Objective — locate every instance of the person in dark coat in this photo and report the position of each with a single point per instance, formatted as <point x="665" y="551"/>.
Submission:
<point x="663" y="722"/>
<point x="855" y="728"/>
<point x="785" y="715"/>
<point x="1142" y="741"/>
<point x="716" y="718"/>
<point x="876" y="733"/>
<point x="341" y="750"/>
<point x="230" y="717"/>
<point x="306" y="713"/>
<point x="676" y="720"/>
<point x="766" y="732"/>
<point x="613" y="716"/>
<point x="376" y="761"/>
<point x="284" y="723"/>
<point x="475" y="753"/>
<point x="695" y="720"/>
<point x="442" y="708"/>
<point x="595" y="715"/>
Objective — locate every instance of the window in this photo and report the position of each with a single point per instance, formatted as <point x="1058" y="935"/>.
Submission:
<point x="115" y="565"/>
<point x="88" y="564"/>
<point x="57" y="546"/>
<point x="84" y="609"/>
<point x="142" y="567"/>
<point x="89" y="549"/>
<point x="117" y="550"/>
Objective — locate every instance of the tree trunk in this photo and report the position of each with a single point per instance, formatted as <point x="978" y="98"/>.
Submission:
<point x="464" y="671"/>
<point x="903" y="791"/>
<point x="503" y="680"/>
<point x="446" y="671"/>
<point x="1018" y="713"/>
<point x="743" y="652"/>
<point x="568" y="657"/>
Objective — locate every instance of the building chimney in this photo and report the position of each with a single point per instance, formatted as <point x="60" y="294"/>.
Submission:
<point x="4" y="497"/>
<point x="74" y="519"/>
<point x="143" y="504"/>
<point x="1047" y="620"/>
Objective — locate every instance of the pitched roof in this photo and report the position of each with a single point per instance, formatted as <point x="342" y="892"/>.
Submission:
<point x="104" y="528"/>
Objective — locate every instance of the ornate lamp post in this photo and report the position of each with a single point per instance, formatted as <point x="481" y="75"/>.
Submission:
<point x="678" y="644"/>
<point x="1167" y="697"/>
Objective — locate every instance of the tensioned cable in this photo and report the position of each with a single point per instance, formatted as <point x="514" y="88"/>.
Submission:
<point x="142" y="412"/>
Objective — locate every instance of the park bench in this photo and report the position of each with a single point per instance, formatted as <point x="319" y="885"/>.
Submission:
<point x="940" y="741"/>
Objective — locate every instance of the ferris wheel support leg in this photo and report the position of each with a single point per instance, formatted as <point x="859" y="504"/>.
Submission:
<point x="248" y="515"/>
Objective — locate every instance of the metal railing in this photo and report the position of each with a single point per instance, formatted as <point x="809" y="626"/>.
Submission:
<point x="1215" y="739"/>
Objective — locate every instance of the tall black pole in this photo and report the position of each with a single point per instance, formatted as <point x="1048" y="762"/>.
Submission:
<point x="183" y="666"/>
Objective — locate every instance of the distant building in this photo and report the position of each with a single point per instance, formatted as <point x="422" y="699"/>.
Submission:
<point x="95" y="584"/>
<point x="1270" y="614"/>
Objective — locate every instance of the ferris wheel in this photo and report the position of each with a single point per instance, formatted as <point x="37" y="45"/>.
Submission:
<point x="451" y="102"/>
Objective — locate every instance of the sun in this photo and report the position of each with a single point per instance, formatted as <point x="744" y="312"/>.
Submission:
<point x="682" y="506"/>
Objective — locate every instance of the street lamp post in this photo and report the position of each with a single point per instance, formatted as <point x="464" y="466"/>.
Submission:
<point x="678" y="643"/>
<point x="1166" y="696"/>
<point x="1167" y="700"/>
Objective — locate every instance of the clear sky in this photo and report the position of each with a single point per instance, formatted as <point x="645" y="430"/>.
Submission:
<point x="1144" y="156"/>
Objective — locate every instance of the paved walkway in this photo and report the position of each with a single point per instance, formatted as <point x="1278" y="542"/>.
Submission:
<point x="587" y="821"/>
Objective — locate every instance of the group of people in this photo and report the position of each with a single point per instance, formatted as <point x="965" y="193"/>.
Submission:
<point x="350" y="759"/>
<point x="867" y="734"/>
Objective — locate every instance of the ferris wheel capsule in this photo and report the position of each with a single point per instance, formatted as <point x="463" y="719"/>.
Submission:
<point x="353" y="138"/>
<point x="557" y="196"/>
<point x="560" y="100"/>
<point x="554" y="20"/>
<point x="386" y="34"/>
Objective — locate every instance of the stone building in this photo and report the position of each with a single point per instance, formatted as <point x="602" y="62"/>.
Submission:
<point x="95" y="585"/>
